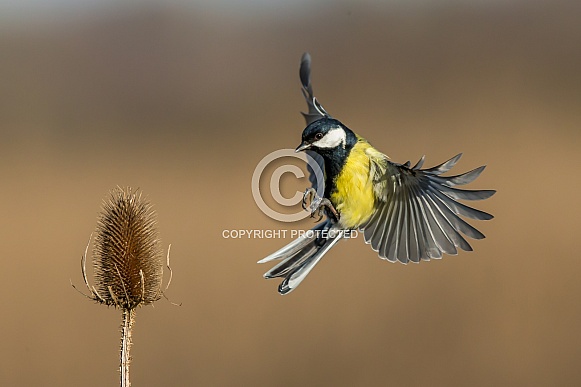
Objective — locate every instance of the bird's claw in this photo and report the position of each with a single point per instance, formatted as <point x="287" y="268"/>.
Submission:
<point x="318" y="205"/>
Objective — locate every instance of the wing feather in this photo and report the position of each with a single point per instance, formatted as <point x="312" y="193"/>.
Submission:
<point x="452" y="225"/>
<point x="418" y="214"/>
<point x="316" y="170"/>
<point x="444" y="167"/>
<point x="464" y="194"/>
<point x="419" y="163"/>
<point x="459" y="208"/>
<point x="456" y="221"/>
<point x="461" y="179"/>
<point x="315" y="112"/>
<point x="402" y="246"/>
<point x="441" y="238"/>
<point x="419" y="233"/>
<point x="429" y="237"/>
<point x="387" y="234"/>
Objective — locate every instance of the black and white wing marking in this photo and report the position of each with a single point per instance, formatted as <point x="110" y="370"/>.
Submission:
<point x="417" y="214"/>
<point x="316" y="112"/>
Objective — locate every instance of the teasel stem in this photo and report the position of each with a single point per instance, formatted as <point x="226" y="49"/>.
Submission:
<point x="126" y="329"/>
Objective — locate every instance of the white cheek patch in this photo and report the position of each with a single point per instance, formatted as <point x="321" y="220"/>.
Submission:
<point x="332" y="139"/>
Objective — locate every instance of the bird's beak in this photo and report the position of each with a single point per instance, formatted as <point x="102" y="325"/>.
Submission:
<point x="304" y="145"/>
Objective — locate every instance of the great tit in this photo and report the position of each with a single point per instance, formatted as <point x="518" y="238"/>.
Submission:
<point x="405" y="213"/>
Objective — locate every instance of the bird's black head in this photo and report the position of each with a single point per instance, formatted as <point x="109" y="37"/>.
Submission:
<point x="327" y="136"/>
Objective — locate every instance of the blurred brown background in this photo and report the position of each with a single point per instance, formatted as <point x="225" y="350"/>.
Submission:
<point x="183" y="100"/>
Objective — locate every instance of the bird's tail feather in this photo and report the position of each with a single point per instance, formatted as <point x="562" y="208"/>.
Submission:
<point x="301" y="255"/>
<point x="298" y="244"/>
<point x="300" y="271"/>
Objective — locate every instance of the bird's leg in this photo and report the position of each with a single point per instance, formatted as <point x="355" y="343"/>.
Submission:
<point x="318" y="205"/>
<point x="309" y="195"/>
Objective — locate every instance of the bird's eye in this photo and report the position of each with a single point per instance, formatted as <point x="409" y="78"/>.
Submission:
<point x="318" y="136"/>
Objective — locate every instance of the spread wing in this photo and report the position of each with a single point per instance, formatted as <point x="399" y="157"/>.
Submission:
<point x="417" y="215"/>
<point x="315" y="113"/>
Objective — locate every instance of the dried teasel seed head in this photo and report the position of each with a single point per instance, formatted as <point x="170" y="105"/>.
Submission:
<point x="127" y="257"/>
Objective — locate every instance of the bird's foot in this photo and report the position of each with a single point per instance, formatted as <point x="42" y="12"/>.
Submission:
<point x="318" y="205"/>
<point x="309" y="195"/>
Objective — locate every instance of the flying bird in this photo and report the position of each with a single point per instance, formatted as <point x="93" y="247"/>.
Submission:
<point x="405" y="213"/>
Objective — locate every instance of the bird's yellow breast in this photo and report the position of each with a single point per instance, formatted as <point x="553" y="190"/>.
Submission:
<point x="353" y="196"/>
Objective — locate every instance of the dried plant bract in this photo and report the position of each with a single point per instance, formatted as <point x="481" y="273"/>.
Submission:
<point x="127" y="257"/>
